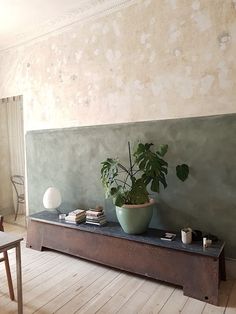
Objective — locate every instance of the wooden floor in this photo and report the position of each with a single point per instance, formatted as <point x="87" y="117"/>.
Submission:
<point x="58" y="283"/>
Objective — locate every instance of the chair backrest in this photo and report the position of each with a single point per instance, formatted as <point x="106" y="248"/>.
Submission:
<point x="18" y="183"/>
<point x="1" y="223"/>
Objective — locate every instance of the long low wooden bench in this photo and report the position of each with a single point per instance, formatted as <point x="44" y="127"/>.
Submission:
<point x="198" y="270"/>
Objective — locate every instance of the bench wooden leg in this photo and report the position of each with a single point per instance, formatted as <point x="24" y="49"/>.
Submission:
<point x="9" y="279"/>
<point x="203" y="281"/>
<point x="222" y="266"/>
<point x="212" y="298"/>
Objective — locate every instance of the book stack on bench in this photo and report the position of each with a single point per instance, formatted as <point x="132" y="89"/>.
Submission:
<point x="76" y="216"/>
<point x="96" y="216"/>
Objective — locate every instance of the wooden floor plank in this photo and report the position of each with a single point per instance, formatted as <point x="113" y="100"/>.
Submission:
<point x="72" y="291"/>
<point x="35" y="268"/>
<point x="231" y="306"/>
<point x="81" y="298"/>
<point x="46" y="296"/>
<point x="54" y="269"/>
<point x="104" y="295"/>
<point x="122" y="296"/>
<point x="137" y="300"/>
<point x="158" y="299"/>
<point x="39" y="286"/>
<point x="193" y="306"/>
<point x="175" y="303"/>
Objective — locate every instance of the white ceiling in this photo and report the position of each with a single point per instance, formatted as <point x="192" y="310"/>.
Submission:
<point x="23" y="20"/>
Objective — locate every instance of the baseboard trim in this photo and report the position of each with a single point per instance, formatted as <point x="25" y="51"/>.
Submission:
<point x="230" y="265"/>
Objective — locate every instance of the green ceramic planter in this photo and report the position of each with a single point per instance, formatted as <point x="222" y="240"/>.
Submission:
<point x="134" y="219"/>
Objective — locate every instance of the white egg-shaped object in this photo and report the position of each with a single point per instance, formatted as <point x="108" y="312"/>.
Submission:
<point x="52" y="198"/>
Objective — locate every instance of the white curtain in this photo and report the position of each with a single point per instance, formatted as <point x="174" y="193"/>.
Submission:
<point x="16" y="139"/>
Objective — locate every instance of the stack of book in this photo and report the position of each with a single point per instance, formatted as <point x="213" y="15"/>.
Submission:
<point x="96" y="216"/>
<point x="76" y="216"/>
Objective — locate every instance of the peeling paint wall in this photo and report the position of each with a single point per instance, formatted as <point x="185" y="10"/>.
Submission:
<point x="155" y="59"/>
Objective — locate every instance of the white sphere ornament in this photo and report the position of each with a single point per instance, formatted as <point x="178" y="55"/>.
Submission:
<point x="52" y="198"/>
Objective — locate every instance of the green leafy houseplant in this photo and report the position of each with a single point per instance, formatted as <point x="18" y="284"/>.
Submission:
<point x="128" y="185"/>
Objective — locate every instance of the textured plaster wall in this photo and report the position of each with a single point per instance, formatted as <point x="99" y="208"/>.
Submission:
<point x="6" y="198"/>
<point x="153" y="60"/>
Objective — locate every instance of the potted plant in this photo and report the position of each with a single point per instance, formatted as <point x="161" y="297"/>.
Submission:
<point x="128" y="186"/>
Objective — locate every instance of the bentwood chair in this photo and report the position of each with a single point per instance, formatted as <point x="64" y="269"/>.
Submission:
<point x="7" y="266"/>
<point x="19" y="185"/>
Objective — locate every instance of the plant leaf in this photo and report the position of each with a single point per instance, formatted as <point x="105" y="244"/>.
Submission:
<point x="118" y="198"/>
<point x="163" y="148"/>
<point x="109" y="171"/>
<point x="138" y="193"/>
<point x="162" y="179"/>
<point x="149" y="168"/>
<point x="182" y="172"/>
<point x="113" y="191"/>
<point x="155" y="185"/>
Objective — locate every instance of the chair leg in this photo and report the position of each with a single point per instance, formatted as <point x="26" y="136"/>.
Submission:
<point x="9" y="279"/>
<point x="17" y="209"/>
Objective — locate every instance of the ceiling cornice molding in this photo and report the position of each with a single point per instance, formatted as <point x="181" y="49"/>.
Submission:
<point x="90" y="9"/>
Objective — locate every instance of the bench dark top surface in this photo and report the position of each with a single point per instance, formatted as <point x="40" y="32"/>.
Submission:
<point x="151" y="237"/>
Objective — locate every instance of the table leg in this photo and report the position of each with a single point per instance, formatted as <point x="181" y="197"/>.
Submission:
<point x="19" y="280"/>
<point x="9" y="278"/>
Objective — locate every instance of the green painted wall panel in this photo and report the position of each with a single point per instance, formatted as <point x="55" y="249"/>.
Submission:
<point x="70" y="160"/>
